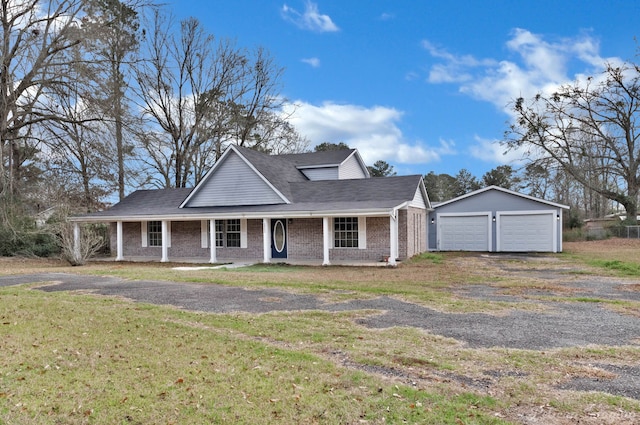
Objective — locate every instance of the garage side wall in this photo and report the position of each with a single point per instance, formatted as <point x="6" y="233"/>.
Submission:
<point x="493" y="202"/>
<point x="416" y="230"/>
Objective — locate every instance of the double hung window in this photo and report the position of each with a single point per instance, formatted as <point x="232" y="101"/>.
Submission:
<point x="345" y="232"/>
<point x="228" y="233"/>
<point x="154" y="233"/>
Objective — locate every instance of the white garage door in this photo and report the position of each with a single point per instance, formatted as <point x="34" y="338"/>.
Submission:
<point x="526" y="232"/>
<point x="463" y="233"/>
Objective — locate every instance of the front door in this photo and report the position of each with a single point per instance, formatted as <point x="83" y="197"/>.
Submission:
<point x="279" y="238"/>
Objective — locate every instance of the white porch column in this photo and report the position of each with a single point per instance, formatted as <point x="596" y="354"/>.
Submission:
<point x="119" y="256"/>
<point x="393" y="238"/>
<point x="326" y="241"/>
<point x="213" y="258"/>
<point x="76" y="241"/>
<point x="266" y="240"/>
<point x="165" y="241"/>
<point x="557" y="233"/>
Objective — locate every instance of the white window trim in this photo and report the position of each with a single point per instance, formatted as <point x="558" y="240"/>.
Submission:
<point x="204" y="233"/>
<point x="362" y="232"/>
<point x="143" y="233"/>
<point x="243" y="233"/>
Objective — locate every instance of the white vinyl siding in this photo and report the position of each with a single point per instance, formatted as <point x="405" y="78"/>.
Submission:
<point x="234" y="182"/>
<point x="418" y="200"/>
<point x="351" y="169"/>
<point x="321" y="173"/>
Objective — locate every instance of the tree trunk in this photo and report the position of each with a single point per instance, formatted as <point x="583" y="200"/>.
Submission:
<point x="631" y="207"/>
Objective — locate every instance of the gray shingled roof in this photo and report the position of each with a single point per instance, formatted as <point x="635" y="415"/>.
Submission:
<point x="278" y="169"/>
<point x="311" y="159"/>
<point x="370" y="194"/>
<point x="397" y="188"/>
<point x="148" y="202"/>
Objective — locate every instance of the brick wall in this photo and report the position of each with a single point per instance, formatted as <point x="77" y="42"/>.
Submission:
<point x="377" y="243"/>
<point x="304" y="240"/>
<point x="186" y="242"/>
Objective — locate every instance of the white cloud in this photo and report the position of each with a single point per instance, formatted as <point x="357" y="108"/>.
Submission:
<point x="534" y="65"/>
<point x="454" y="68"/>
<point x="493" y="152"/>
<point x="373" y="131"/>
<point x="314" y="62"/>
<point x="539" y="66"/>
<point x="311" y="19"/>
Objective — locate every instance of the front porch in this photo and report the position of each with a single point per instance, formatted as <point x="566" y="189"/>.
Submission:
<point x="371" y="240"/>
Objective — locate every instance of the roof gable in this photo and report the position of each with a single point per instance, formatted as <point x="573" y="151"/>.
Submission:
<point x="502" y="190"/>
<point x="235" y="180"/>
<point x="318" y="159"/>
<point x="261" y="179"/>
<point x="329" y="165"/>
<point x="421" y="198"/>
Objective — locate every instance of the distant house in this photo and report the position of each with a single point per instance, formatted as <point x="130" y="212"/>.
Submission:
<point x="494" y="219"/>
<point x="321" y="207"/>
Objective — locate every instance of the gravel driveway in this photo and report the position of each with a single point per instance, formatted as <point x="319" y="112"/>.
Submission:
<point x="563" y="324"/>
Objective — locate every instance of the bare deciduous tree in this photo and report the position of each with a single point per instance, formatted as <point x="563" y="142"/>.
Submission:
<point x="199" y="94"/>
<point x="591" y="129"/>
<point x="35" y="36"/>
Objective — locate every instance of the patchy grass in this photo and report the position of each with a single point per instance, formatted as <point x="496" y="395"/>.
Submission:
<point x="434" y="258"/>
<point x="133" y="363"/>
<point x="617" y="256"/>
<point x="618" y="267"/>
<point x="82" y="359"/>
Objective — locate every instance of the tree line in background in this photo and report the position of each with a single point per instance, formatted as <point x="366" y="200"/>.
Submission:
<point x="534" y="179"/>
<point x="101" y="96"/>
<point x="98" y="97"/>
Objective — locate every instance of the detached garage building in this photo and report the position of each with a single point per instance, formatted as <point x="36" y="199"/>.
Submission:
<point x="494" y="219"/>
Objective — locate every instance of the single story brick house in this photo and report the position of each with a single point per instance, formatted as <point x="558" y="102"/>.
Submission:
<point x="319" y="206"/>
<point x="494" y="219"/>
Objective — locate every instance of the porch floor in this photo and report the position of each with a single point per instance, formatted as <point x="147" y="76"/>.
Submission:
<point x="243" y="263"/>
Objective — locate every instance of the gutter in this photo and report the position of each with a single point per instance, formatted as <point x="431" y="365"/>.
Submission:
<point x="256" y="215"/>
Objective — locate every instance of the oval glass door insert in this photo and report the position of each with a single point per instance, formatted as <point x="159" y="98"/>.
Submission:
<point x="278" y="236"/>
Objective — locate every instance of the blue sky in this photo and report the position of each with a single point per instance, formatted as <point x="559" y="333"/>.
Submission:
<point x="424" y="85"/>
